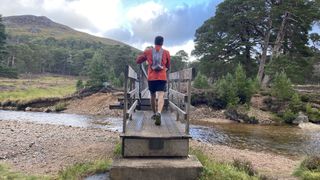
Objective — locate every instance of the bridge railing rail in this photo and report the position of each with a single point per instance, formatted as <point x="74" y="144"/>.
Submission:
<point x="131" y="95"/>
<point x="179" y="95"/>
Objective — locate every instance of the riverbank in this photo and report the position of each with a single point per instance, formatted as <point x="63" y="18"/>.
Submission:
<point x="47" y="149"/>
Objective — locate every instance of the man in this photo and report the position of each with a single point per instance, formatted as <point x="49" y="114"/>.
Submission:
<point x="158" y="64"/>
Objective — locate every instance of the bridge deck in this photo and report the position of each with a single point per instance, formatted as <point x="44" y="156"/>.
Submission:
<point x="143" y="126"/>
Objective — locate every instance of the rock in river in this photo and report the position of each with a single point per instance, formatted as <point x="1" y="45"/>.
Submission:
<point x="300" y="119"/>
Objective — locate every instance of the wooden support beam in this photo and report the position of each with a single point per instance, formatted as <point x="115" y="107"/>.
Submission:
<point x="132" y="108"/>
<point x="143" y="92"/>
<point x="176" y="108"/>
<point x="132" y="92"/>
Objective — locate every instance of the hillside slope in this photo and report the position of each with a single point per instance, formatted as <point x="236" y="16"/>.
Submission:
<point x="41" y="26"/>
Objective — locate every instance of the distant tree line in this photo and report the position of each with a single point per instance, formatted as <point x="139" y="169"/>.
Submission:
<point x="265" y="36"/>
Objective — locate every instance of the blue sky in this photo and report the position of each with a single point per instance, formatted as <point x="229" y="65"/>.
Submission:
<point x="135" y="22"/>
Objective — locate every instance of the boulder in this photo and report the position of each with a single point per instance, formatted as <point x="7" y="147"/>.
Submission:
<point x="47" y="110"/>
<point x="28" y="109"/>
<point x="300" y="119"/>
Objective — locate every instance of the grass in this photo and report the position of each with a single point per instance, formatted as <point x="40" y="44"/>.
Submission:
<point x="7" y="174"/>
<point x="36" y="87"/>
<point x="74" y="172"/>
<point x="81" y="170"/>
<point x="217" y="170"/>
<point x="309" y="168"/>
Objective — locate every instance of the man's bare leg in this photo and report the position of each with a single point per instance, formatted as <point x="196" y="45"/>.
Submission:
<point x="153" y="102"/>
<point x="160" y="101"/>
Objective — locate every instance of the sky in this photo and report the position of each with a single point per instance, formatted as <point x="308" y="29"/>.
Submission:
<point x="135" y="22"/>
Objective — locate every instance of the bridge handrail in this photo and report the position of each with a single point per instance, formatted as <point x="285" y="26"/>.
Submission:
<point x="183" y="100"/>
<point x="131" y="91"/>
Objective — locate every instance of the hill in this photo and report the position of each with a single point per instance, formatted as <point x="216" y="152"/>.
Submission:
<point x="41" y="26"/>
<point x="36" y="44"/>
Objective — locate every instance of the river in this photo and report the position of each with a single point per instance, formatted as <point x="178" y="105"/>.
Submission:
<point x="284" y="140"/>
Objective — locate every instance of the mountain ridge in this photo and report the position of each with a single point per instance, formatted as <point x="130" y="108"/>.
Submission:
<point x="42" y="26"/>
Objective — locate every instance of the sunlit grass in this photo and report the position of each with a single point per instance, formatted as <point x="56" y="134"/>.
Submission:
<point x="81" y="170"/>
<point x="39" y="87"/>
<point x="217" y="170"/>
<point x="34" y="93"/>
<point x="7" y="174"/>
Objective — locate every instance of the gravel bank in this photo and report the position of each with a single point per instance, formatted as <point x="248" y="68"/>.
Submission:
<point x="46" y="149"/>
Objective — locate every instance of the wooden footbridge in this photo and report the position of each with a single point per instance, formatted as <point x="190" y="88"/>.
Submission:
<point x="150" y="151"/>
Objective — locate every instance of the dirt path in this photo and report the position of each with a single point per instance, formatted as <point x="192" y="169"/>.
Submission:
<point x="46" y="149"/>
<point x="272" y="165"/>
<point x="96" y="104"/>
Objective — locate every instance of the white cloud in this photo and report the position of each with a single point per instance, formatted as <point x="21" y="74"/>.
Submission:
<point x="145" y="12"/>
<point x="103" y="14"/>
<point x="187" y="47"/>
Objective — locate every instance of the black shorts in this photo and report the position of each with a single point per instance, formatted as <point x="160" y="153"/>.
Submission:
<point x="157" y="85"/>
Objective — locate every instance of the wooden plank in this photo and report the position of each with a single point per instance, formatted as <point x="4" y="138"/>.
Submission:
<point x="147" y="129"/>
<point x="132" y="108"/>
<point x="132" y="74"/>
<point x="143" y="92"/>
<point x="176" y="108"/>
<point x="132" y="92"/>
<point x="185" y="74"/>
<point x="179" y="95"/>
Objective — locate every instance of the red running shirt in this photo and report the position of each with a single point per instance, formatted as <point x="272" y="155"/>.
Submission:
<point x="147" y="56"/>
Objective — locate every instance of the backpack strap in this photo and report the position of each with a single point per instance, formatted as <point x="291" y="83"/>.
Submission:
<point x="154" y="51"/>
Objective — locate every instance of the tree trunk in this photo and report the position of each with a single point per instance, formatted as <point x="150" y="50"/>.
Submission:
<point x="264" y="51"/>
<point x="277" y="46"/>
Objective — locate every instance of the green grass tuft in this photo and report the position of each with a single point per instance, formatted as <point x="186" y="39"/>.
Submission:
<point x="309" y="169"/>
<point x="216" y="170"/>
<point x="117" y="150"/>
<point x="7" y="174"/>
<point x="81" y="170"/>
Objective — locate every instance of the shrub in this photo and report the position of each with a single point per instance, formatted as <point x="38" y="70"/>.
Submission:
<point x="8" y="72"/>
<point x="289" y="116"/>
<point x="309" y="169"/>
<point x="313" y="113"/>
<point x="201" y="82"/>
<point x="79" y="85"/>
<point x="245" y="86"/>
<point x="312" y="163"/>
<point x="60" y="107"/>
<point x="295" y="104"/>
<point x="282" y="87"/>
<point x="243" y="165"/>
<point x="237" y="88"/>
<point x="227" y="90"/>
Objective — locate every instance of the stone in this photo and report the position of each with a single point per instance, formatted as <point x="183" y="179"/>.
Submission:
<point x="156" y="168"/>
<point x="47" y="110"/>
<point x="28" y="109"/>
<point x="300" y="119"/>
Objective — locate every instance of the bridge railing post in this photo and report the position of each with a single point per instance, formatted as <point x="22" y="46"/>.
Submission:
<point x="125" y="101"/>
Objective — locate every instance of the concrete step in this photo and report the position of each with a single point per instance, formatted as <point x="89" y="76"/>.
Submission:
<point x="156" y="169"/>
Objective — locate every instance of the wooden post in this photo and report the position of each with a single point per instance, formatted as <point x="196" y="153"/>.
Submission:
<point x="188" y="106"/>
<point x="125" y="101"/>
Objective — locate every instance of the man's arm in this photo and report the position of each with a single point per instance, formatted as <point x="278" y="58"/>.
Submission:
<point x="141" y="58"/>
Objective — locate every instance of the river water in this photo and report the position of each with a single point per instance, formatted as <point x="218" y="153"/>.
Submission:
<point x="285" y="140"/>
